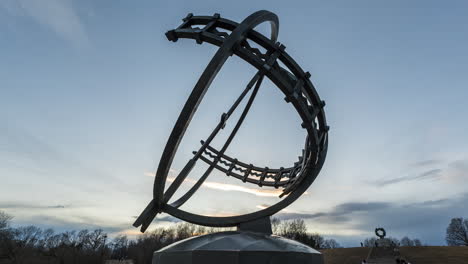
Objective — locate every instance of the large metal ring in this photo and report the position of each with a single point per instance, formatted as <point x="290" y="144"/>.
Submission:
<point x="290" y="79"/>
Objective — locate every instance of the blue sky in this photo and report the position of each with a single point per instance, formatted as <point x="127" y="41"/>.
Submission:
<point x="90" y="90"/>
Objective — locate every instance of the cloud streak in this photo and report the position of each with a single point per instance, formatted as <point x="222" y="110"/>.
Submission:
<point x="411" y="219"/>
<point x="24" y="152"/>
<point x="340" y="213"/>
<point x="430" y="174"/>
<point x="20" y="205"/>
<point x="424" y="163"/>
<point x="236" y="188"/>
<point x="66" y="223"/>
<point x="56" y="15"/>
<point x="225" y="186"/>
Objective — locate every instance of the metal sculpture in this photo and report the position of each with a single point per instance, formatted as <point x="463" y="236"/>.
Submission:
<point x="275" y="64"/>
<point x="380" y="232"/>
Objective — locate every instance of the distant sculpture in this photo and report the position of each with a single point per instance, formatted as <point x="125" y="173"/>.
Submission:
<point x="380" y="232"/>
<point x="273" y="63"/>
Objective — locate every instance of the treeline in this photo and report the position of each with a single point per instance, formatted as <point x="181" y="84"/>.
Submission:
<point x="31" y="244"/>
<point x="404" y="242"/>
<point x="456" y="234"/>
<point x="297" y="230"/>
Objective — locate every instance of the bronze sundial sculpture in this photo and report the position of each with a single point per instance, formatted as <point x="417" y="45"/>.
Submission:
<point x="240" y="39"/>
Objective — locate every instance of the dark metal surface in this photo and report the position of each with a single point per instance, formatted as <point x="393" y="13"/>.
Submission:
<point x="380" y="232"/>
<point x="285" y="73"/>
<point x="261" y="225"/>
<point x="238" y="248"/>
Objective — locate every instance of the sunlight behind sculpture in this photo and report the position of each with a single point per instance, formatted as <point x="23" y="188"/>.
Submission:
<point x="271" y="61"/>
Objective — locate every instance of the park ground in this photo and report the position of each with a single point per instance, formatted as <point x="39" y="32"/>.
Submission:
<point x="415" y="255"/>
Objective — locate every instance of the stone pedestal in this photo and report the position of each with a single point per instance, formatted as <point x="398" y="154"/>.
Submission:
<point x="237" y="247"/>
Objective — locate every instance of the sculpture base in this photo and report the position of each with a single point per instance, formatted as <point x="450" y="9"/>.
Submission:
<point x="236" y="247"/>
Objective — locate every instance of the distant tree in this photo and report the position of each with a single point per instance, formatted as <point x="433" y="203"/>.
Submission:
<point x="293" y="229"/>
<point x="457" y="232"/>
<point x="406" y="242"/>
<point x="330" y="243"/>
<point x="7" y="245"/>
<point x="314" y="240"/>
<point x="417" y="242"/>
<point x="370" y="242"/>
<point x="387" y="242"/>
<point x="28" y="236"/>
<point x="186" y="230"/>
<point x="275" y="223"/>
<point x="297" y="230"/>
<point x="4" y="220"/>
<point x="394" y="241"/>
<point x="119" y="247"/>
<point x="97" y="240"/>
<point x="30" y="244"/>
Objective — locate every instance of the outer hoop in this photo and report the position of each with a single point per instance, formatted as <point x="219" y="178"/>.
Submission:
<point x="293" y="82"/>
<point x="199" y="91"/>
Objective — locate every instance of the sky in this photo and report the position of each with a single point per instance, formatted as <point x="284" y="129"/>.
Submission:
<point x="90" y="91"/>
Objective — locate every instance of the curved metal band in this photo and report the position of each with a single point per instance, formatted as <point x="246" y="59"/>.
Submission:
<point x="298" y="90"/>
<point x="277" y="76"/>
<point x="261" y="40"/>
<point x="199" y="91"/>
<point x="311" y="169"/>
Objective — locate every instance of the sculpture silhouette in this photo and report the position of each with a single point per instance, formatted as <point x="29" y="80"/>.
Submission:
<point x="240" y="40"/>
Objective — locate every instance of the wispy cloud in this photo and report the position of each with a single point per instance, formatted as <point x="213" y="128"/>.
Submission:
<point x="424" y="163"/>
<point x="21" y="205"/>
<point x="62" y="223"/>
<point x="340" y="213"/>
<point x="29" y="153"/>
<point x="61" y="217"/>
<point x="233" y="188"/>
<point x="224" y="186"/>
<point x="57" y="15"/>
<point x="167" y="218"/>
<point x="149" y="174"/>
<point x="430" y="174"/>
<point x="56" y="206"/>
<point x="457" y="172"/>
<point x="237" y="188"/>
<point x="163" y="218"/>
<point x="356" y="220"/>
<point x="172" y="173"/>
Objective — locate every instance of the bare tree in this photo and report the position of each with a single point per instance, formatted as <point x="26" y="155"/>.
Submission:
<point x="293" y="229"/>
<point x="25" y="244"/>
<point x="394" y="241"/>
<point x="417" y="242"/>
<point x="407" y="242"/>
<point x="119" y="247"/>
<point x="297" y="230"/>
<point x="275" y="223"/>
<point x="97" y="240"/>
<point x="6" y="237"/>
<point x="28" y="236"/>
<point x="457" y="232"/>
<point x="330" y="243"/>
<point x="370" y="242"/>
<point x="4" y="220"/>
